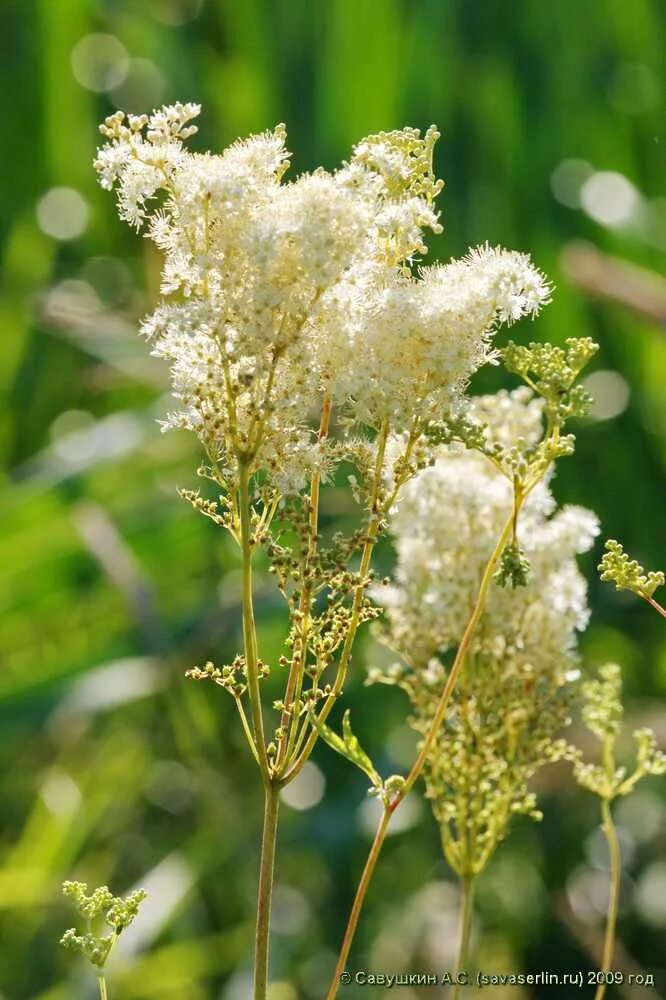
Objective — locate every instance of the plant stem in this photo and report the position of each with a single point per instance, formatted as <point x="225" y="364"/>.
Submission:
<point x="358" y="902"/>
<point x="101" y="982"/>
<point x="249" y="627"/>
<point x="357" y="602"/>
<point x="289" y="721"/>
<point x="613" y="903"/>
<point x="466" y="912"/>
<point x="271" y="787"/>
<point x="458" y="662"/>
<point x="419" y="763"/>
<point x="264" y="896"/>
<point x="655" y="604"/>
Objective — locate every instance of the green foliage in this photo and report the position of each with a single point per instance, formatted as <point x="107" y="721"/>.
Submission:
<point x="348" y="746"/>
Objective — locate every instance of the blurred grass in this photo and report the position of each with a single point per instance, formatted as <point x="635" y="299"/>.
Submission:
<point x="112" y="791"/>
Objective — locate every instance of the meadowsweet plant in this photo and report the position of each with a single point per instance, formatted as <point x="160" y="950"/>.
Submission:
<point x="513" y="698"/>
<point x="304" y="344"/>
<point x="603" y="714"/>
<point x="467" y="530"/>
<point x="628" y="574"/>
<point x="106" y="917"/>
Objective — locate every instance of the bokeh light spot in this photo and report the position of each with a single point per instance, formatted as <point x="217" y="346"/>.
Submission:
<point x="610" y="393"/>
<point x="290" y="911"/>
<point x="62" y="213"/>
<point x="567" y="180"/>
<point x="307" y="788"/>
<point x="610" y="198"/>
<point x="175" y="12"/>
<point x="143" y="87"/>
<point x="100" y="62"/>
<point x="650" y="894"/>
<point x="404" y="818"/>
<point x="60" y="793"/>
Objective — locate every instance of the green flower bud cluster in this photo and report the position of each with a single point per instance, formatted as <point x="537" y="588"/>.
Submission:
<point x="602" y="714"/>
<point x="552" y="372"/>
<point x="375" y="152"/>
<point x="502" y="730"/>
<point x="514" y="567"/>
<point x="213" y="509"/>
<point x="232" y="677"/>
<point x="116" y="912"/>
<point x="626" y="573"/>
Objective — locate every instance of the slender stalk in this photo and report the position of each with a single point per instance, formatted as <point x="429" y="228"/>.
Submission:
<point x="655" y="604"/>
<point x="419" y="763"/>
<point x="466" y="912"/>
<point x="366" y="558"/>
<point x="246" y="728"/>
<point x="261" y="938"/>
<point x="613" y="903"/>
<point x="458" y="662"/>
<point x="101" y="982"/>
<point x="289" y="721"/>
<point x="352" y="923"/>
<point x="249" y="627"/>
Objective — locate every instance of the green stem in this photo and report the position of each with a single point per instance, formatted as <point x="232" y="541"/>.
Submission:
<point x="352" y="923"/>
<point x="466" y="912"/>
<point x="249" y="627"/>
<point x="458" y="662"/>
<point x="655" y="604"/>
<point x="101" y="981"/>
<point x="613" y="903"/>
<point x="261" y="937"/>
<point x="357" y="602"/>
<point x="419" y="763"/>
<point x="290" y="722"/>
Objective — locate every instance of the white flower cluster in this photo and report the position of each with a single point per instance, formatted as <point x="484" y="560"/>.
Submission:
<point x="276" y="292"/>
<point x="512" y="698"/>
<point x="445" y="528"/>
<point x="420" y="338"/>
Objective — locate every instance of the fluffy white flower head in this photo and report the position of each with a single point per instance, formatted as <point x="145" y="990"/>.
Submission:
<point x="277" y="293"/>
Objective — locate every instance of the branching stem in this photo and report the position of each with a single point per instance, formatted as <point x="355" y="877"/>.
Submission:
<point x="357" y="603"/>
<point x="289" y="721"/>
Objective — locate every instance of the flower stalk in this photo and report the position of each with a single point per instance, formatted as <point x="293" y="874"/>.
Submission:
<point x="615" y="872"/>
<point x="419" y="763"/>
<point x="265" y="892"/>
<point x="249" y="625"/>
<point x="603" y="713"/>
<point x="467" y="885"/>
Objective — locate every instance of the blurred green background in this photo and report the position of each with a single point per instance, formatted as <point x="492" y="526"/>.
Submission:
<point x="114" y="769"/>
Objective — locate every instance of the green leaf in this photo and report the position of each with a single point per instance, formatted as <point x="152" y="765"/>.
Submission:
<point x="347" y="746"/>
